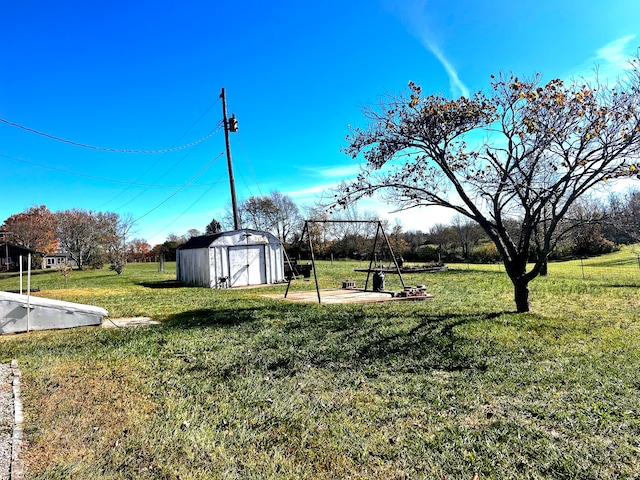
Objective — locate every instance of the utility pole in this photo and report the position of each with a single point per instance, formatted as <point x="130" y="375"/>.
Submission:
<point x="230" y="125"/>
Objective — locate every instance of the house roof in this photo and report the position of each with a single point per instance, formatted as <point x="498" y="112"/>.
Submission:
<point x="57" y="254"/>
<point x="15" y="249"/>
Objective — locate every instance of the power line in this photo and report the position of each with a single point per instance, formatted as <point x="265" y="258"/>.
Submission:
<point x="146" y="189"/>
<point x="93" y="177"/>
<point x="253" y="173"/>
<point x="219" y="127"/>
<point x="175" y="219"/>
<point x="180" y="189"/>
<point x="104" y="149"/>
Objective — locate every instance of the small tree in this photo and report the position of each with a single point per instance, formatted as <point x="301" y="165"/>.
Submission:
<point x="522" y="156"/>
<point x="114" y="239"/>
<point x="65" y="271"/>
<point x="118" y="262"/>
<point x="213" y="227"/>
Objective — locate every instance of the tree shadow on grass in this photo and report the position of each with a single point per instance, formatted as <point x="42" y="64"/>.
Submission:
<point x="621" y="262"/>
<point x="362" y="340"/>
<point x="210" y="317"/>
<point x="434" y="344"/>
<point x="348" y="339"/>
<point x="34" y="273"/>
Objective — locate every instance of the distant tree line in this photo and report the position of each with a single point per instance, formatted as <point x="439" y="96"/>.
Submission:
<point x="94" y="239"/>
<point x="90" y="239"/>
<point x="591" y="228"/>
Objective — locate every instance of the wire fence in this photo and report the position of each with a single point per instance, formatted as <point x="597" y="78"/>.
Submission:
<point x="621" y="268"/>
<point x="596" y="269"/>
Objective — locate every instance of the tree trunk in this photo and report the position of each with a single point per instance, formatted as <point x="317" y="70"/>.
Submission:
<point x="544" y="270"/>
<point x="521" y="294"/>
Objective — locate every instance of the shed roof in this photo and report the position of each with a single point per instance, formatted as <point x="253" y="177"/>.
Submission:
<point x="205" y="241"/>
<point x="202" y="241"/>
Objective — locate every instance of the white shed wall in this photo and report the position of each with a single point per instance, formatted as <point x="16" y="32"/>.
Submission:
<point x="193" y="267"/>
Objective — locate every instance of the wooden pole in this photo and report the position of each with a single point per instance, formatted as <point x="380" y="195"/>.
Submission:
<point x="232" y="182"/>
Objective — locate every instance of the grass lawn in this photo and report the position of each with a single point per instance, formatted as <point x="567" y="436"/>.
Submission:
<point x="234" y="385"/>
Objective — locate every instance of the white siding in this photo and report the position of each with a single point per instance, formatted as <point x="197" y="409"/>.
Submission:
<point x="193" y="267"/>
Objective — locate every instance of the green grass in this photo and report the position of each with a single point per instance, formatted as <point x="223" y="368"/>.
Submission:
<point x="236" y="385"/>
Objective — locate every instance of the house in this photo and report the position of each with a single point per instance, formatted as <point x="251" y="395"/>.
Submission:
<point x="231" y="259"/>
<point x="57" y="260"/>
<point x="10" y="256"/>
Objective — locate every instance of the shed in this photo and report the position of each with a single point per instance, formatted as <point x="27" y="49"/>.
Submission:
<point x="231" y="259"/>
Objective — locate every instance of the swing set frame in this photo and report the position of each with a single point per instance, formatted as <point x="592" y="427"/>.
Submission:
<point x="379" y="233"/>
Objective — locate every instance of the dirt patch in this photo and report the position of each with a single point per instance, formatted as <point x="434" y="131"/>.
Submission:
<point x="344" y="296"/>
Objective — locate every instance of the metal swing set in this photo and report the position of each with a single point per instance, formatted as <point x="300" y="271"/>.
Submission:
<point x="380" y="236"/>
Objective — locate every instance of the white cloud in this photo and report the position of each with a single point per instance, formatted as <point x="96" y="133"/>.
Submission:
<point x="610" y="61"/>
<point x="330" y="176"/>
<point x="616" y="53"/>
<point x="413" y="15"/>
<point x="340" y="173"/>
<point x="419" y="218"/>
<point x="311" y="191"/>
<point x="457" y="87"/>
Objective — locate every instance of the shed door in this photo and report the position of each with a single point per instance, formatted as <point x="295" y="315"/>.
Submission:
<point x="247" y="265"/>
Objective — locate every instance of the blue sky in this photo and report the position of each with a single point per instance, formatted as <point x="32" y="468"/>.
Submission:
<point x="147" y="76"/>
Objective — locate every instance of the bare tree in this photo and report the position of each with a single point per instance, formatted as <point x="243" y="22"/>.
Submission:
<point x="524" y="155"/>
<point x="287" y="219"/>
<point x="467" y="235"/>
<point x="259" y="213"/>
<point x="89" y="237"/>
<point x="276" y="213"/>
<point x="621" y="222"/>
<point x="116" y="230"/>
<point x="319" y="233"/>
<point x="193" y="232"/>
